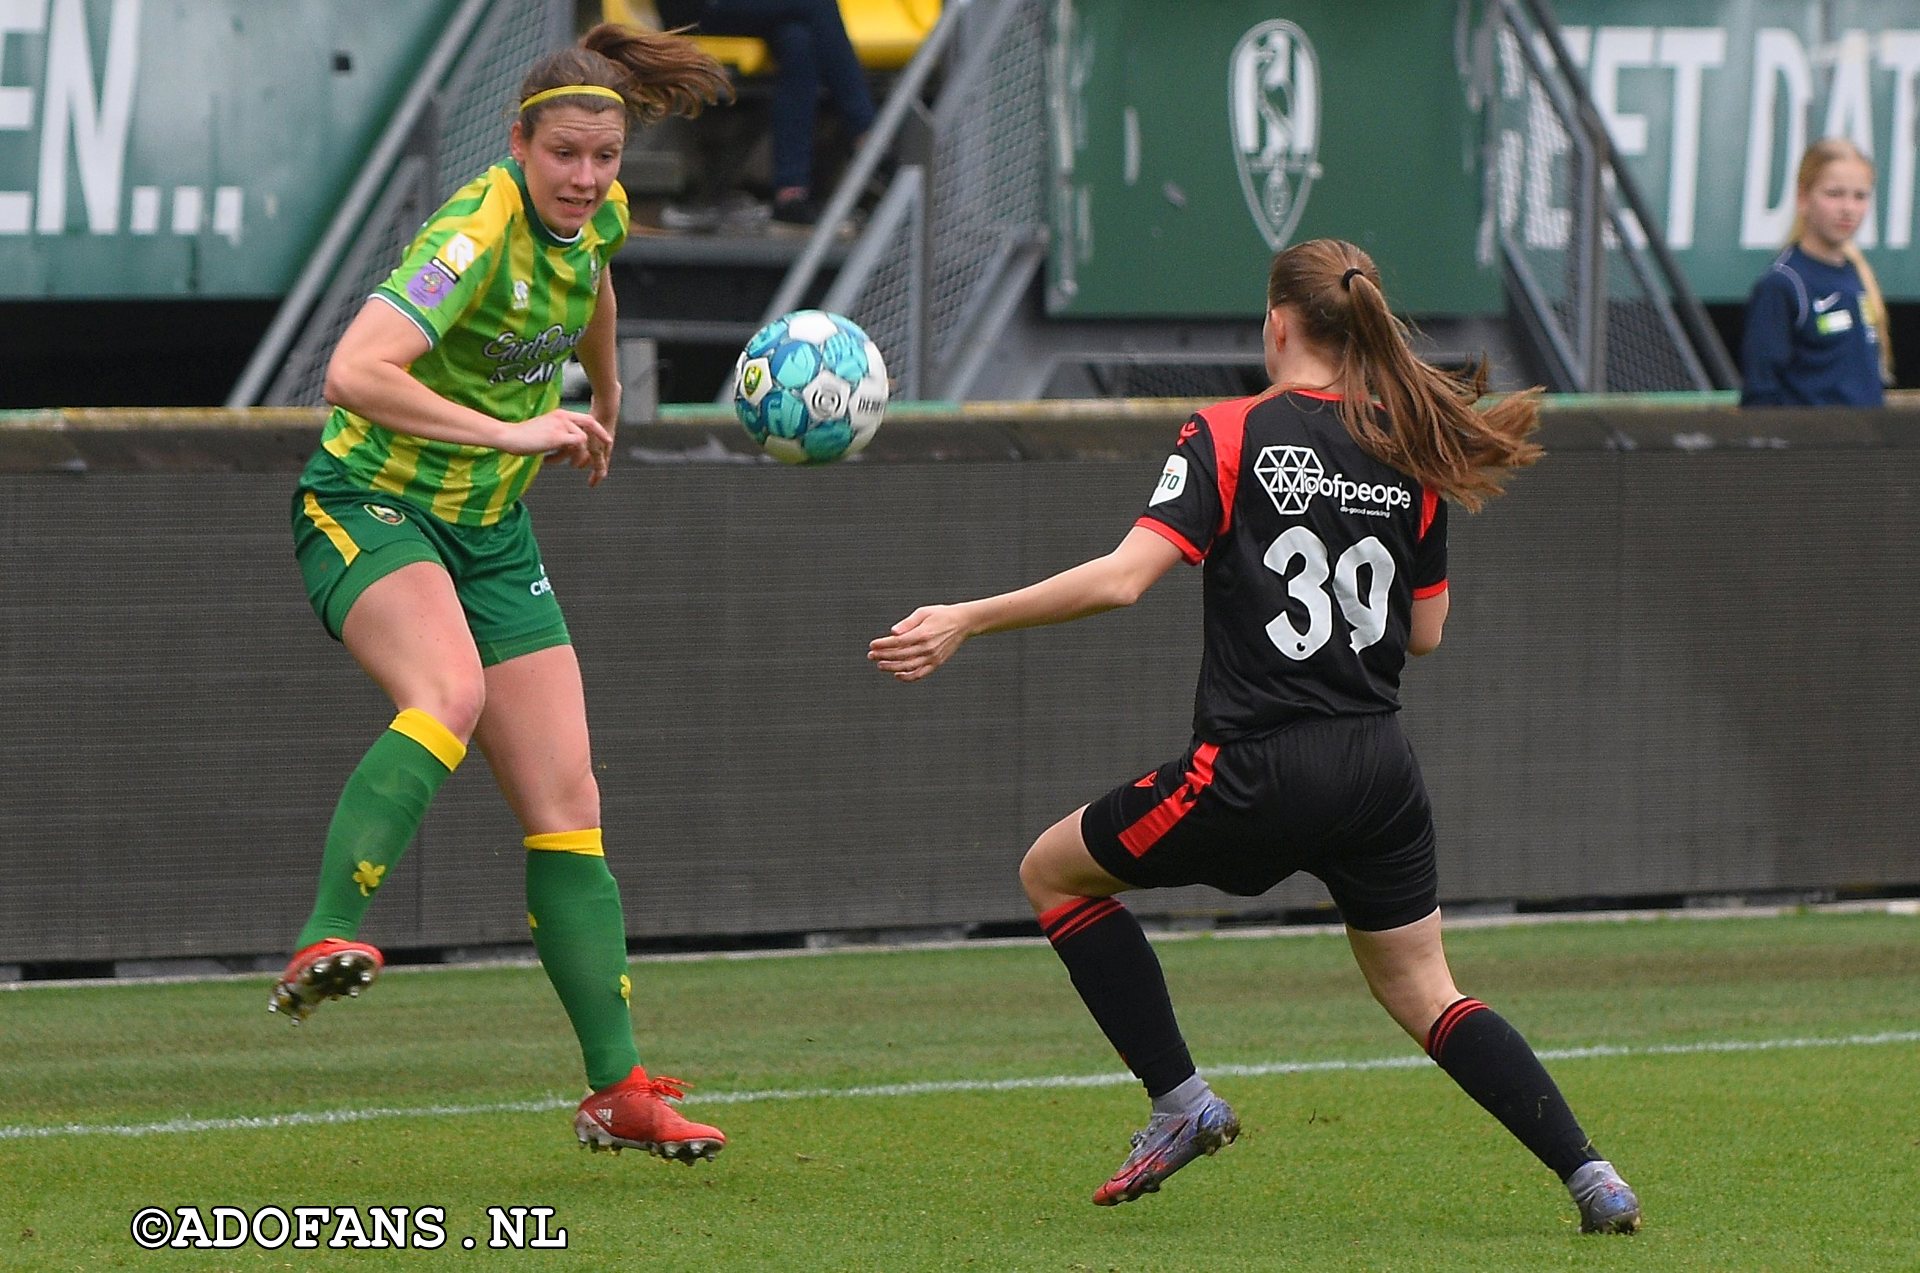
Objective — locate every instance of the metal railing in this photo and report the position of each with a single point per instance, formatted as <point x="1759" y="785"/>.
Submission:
<point x="450" y="125"/>
<point x="960" y="232"/>
<point x="1586" y="267"/>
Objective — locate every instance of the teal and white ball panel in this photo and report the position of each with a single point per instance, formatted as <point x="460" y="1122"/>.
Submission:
<point x="810" y="325"/>
<point x="810" y="387"/>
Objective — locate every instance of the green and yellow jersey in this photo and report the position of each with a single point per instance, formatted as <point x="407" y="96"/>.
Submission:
<point x="503" y="303"/>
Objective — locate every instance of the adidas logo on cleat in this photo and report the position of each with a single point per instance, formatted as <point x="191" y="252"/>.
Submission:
<point x="635" y="1114"/>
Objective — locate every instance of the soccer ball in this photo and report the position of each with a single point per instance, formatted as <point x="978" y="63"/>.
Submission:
<point x="810" y="387"/>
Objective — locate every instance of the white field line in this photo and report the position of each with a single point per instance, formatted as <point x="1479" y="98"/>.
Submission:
<point x="185" y="1126"/>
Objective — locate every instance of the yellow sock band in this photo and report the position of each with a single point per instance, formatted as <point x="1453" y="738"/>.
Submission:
<point x="432" y="735"/>
<point x="583" y="842"/>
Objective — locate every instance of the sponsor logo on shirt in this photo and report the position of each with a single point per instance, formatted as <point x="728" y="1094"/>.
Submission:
<point x="1173" y="480"/>
<point x="1293" y="475"/>
<point x="531" y="359"/>
<point x="1826" y="303"/>
<point x="458" y="253"/>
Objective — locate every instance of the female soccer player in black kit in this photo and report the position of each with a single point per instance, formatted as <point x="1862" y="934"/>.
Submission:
<point x="1323" y="528"/>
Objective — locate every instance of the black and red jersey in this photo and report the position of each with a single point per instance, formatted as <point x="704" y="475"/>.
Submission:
<point x="1314" y="553"/>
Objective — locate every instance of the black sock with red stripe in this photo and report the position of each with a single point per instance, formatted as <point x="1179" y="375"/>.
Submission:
<point x="1494" y="1065"/>
<point x="1119" y="979"/>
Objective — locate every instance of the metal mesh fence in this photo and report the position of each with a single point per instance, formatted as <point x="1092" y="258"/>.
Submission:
<point x="989" y="173"/>
<point x="986" y="197"/>
<point x="178" y="735"/>
<point x="463" y="132"/>
<point x="1608" y="319"/>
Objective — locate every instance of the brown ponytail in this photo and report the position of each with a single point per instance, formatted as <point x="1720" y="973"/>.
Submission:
<point x="657" y="74"/>
<point x="1425" y="425"/>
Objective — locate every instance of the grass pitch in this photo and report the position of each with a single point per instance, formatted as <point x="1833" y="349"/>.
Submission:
<point x="1758" y="1080"/>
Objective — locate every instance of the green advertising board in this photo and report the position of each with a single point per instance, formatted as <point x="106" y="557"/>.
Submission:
<point x="1190" y="141"/>
<point x="1711" y="103"/>
<point x="183" y="148"/>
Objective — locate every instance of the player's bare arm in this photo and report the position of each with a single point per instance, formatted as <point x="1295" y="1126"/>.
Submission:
<point x="599" y="355"/>
<point x="1429" y="618"/>
<point x="368" y="375"/>
<point x="929" y="636"/>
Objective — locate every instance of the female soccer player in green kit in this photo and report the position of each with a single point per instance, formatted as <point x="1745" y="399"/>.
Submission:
<point x="419" y="556"/>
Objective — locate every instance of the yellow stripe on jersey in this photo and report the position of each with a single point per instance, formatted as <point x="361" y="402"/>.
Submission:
<point x="519" y="304"/>
<point x="455" y="485"/>
<point x="431" y="734"/>
<point x="586" y="843"/>
<point x="336" y="533"/>
<point x="401" y="465"/>
<point x="511" y="486"/>
<point x="352" y="432"/>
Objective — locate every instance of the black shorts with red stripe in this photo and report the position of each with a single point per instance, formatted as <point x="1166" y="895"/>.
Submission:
<point x="1338" y="797"/>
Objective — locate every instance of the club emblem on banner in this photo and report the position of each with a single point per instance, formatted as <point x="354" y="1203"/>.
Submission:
<point x="1273" y="105"/>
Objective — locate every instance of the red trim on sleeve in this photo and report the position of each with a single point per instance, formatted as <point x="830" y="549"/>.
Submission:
<point x="1160" y="819"/>
<point x="1172" y="536"/>
<point x="1429" y="506"/>
<point x="1227" y="425"/>
<point x="1431" y="590"/>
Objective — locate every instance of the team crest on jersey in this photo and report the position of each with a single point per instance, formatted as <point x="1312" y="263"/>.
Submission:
<point x="1292" y="475"/>
<point x="381" y="513"/>
<point x="519" y="293"/>
<point x="1273" y="105"/>
<point x="433" y="284"/>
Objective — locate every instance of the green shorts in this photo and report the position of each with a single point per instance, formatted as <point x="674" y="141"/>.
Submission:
<point x="346" y="537"/>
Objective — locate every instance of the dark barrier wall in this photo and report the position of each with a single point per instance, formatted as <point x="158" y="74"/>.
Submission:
<point x="1681" y="661"/>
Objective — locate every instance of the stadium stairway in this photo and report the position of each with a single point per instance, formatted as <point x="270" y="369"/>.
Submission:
<point x="698" y="294"/>
<point x="698" y="297"/>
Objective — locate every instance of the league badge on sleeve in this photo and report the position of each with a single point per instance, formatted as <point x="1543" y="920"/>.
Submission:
<point x="433" y="284"/>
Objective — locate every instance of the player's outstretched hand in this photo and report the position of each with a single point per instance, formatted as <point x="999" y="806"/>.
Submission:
<point x="919" y="643"/>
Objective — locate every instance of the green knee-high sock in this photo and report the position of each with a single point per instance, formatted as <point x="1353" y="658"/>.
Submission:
<point x="379" y="811"/>
<point x="573" y="907"/>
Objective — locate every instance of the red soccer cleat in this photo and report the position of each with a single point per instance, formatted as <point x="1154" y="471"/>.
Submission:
<point x="325" y="970"/>
<point x="1170" y="1142"/>
<point x="634" y="1114"/>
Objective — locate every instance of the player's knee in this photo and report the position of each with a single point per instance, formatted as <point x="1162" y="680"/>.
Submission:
<point x="1041" y="881"/>
<point x="457" y="703"/>
<point x="571" y="800"/>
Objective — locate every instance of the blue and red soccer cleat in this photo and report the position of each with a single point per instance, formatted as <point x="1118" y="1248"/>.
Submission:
<point x="325" y="970"/>
<point x="1170" y="1142"/>
<point x="634" y="1114"/>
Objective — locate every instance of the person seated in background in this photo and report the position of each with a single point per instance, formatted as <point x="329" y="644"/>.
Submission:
<point x="1816" y="323"/>
<point x="811" y="48"/>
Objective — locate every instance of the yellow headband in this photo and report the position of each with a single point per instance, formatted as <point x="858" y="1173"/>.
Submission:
<point x="569" y="90"/>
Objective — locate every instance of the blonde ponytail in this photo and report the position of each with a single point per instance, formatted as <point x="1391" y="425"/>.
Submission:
<point x="1823" y="152"/>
